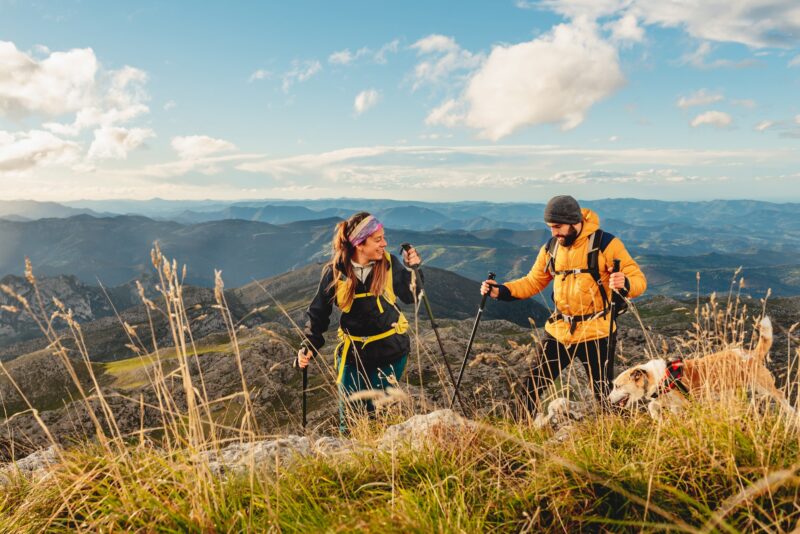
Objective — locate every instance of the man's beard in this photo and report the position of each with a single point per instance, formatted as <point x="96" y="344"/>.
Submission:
<point x="570" y="238"/>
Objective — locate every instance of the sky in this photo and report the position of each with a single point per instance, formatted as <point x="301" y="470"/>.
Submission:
<point x="501" y="100"/>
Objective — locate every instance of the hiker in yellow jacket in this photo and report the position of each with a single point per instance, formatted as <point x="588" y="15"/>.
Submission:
<point x="579" y="260"/>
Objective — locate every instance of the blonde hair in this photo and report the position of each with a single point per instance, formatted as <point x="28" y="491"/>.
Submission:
<point x="343" y="252"/>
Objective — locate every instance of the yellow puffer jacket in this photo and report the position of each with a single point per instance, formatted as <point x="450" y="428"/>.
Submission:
<point x="578" y="294"/>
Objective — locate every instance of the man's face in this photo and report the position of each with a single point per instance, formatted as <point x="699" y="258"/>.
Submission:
<point x="565" y="233"/>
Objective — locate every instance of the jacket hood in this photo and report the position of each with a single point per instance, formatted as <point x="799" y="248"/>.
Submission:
<point x="591" y="222"/>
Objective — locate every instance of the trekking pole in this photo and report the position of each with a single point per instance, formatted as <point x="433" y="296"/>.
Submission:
<point x="471" y="339"/>
<point x="296" y="364"/>
<point x="612" y="335"/>
<point x="305" y="388"/>
<point x="424" y="296"/>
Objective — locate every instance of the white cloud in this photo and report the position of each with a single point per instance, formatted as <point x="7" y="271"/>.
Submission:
<point x="122" y="102"/>
<point x="111" y="142"/>
<point x="592" y="9"/>
<point x="199" y="146"/>
<point x="719" y="119"/>
<point x="449" y="114"/>
<point x="365" y="100"/>
<point x="797" y="119"/>
<point x="342" y="57"/>
<point x="345" y="57"/>
<point x="699" y="59"/>
<point x="208" y="166"/>
<point x="259" y="74"/>
<point x="61" y="83"/>
<point x="554" y="79"/>
<point x="390" y="47"/>
<point x="444" y="57"/>
<point x="435" y="43"/>
<point x="755" y="23"/>
<point x="21" y="151"/>
<point x="698" y="98"/>
<point x="764" y="125"/>
<point x="300" y="72"/>
<point x="626" y="29"/>
<point x="795" y="61"/>
<point x="500" y="166"/>
<point x="169" y="104"/>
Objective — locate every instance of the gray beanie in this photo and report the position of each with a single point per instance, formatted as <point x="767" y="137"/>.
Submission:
<point x="563" y="209"/>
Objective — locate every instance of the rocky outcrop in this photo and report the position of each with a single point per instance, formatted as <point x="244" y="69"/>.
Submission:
<point x="416" y="433"/>
<point x="238" y="457"/>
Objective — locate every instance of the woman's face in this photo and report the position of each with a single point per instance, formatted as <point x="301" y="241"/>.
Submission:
<point x="372" y="249"/>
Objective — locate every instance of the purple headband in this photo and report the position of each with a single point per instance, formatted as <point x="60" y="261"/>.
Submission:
<point x="368" y="226"/>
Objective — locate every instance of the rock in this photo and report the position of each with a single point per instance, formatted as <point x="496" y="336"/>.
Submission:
<point x="561" y="412"/>
<point x="32" y="465"/>
<point x="417" y="431"/>
<point x="238" y="457"/>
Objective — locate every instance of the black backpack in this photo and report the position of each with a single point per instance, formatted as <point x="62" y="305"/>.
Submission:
<point x="598" y="241"/>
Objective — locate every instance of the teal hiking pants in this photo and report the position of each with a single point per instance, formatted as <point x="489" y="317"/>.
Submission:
<point x="358" y="378"/>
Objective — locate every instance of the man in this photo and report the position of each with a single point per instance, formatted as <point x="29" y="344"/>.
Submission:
<point x="579" y="258"/>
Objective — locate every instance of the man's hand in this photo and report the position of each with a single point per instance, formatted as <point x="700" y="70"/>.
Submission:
<point x="616" y="281"/>
<point x="490" y="286"/>
<point x="303" y="357"/>
<point x="411" y="258"/>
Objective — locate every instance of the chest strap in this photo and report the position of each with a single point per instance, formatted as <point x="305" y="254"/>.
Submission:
<point x="573" y="320"/>
<point x="365" y="295"/>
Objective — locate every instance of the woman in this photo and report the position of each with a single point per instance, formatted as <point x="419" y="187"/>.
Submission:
<point x="364" y="281"/>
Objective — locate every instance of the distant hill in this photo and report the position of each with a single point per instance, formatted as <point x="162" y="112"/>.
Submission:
<point x="451" y="296"/>
<point x="115" y="250"/>
<point x="31" y="209"/>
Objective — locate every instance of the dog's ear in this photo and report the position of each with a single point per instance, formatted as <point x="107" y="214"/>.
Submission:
<point x="637" y="374"/>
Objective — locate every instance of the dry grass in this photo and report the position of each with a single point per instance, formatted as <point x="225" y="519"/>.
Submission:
<point x="727" y="464"/>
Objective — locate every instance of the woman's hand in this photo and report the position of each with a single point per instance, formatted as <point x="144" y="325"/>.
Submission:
<point x="411" y="258"/>
<point x="303" y="357"/>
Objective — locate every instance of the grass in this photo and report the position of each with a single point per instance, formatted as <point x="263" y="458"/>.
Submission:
<point x="130" y="372"/>
<point x="725" y="465"/>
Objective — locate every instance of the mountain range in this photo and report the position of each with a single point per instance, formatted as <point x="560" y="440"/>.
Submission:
<point x="115" y="250"/>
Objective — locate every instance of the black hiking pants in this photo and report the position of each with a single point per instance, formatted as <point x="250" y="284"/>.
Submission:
<point x="556" y="356"/>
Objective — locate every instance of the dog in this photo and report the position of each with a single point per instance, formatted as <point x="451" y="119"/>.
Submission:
<point x="671" y="384"/>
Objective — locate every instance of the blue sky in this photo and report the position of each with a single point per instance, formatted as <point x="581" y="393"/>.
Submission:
<point x="496" y="100"/>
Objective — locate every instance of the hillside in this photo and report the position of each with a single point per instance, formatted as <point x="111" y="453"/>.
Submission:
<point x="115" y="250"/>
<point x="451" y="296"/>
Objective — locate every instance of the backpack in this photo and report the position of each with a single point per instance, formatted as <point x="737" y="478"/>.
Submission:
<point x="598" y="242"/>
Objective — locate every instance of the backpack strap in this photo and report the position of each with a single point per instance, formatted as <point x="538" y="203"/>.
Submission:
<point x="552" y="248"/>
<point x="593" y="264"/>
<point x="598" y="242"/>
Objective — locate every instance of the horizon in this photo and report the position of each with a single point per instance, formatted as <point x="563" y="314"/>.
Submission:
<point x="373" y="199"/>
<point x="655" y="101"/>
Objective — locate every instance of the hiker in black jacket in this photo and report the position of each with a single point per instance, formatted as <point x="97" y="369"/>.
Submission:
<point x="364" y="281"/>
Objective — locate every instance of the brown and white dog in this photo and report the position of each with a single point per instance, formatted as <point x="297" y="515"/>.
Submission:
<point x="671" y="384"/>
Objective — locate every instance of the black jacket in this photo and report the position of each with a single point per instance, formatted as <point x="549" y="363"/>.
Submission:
<point x="364" y="318"/>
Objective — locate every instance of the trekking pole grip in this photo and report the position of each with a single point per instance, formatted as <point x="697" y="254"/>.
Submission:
<point x="405" y="247"/>
<point x="616" y="265"/>
<point x="483" y="300"/>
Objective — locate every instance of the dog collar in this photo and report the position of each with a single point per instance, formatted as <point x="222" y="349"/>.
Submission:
<point x="672" y="379"/>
